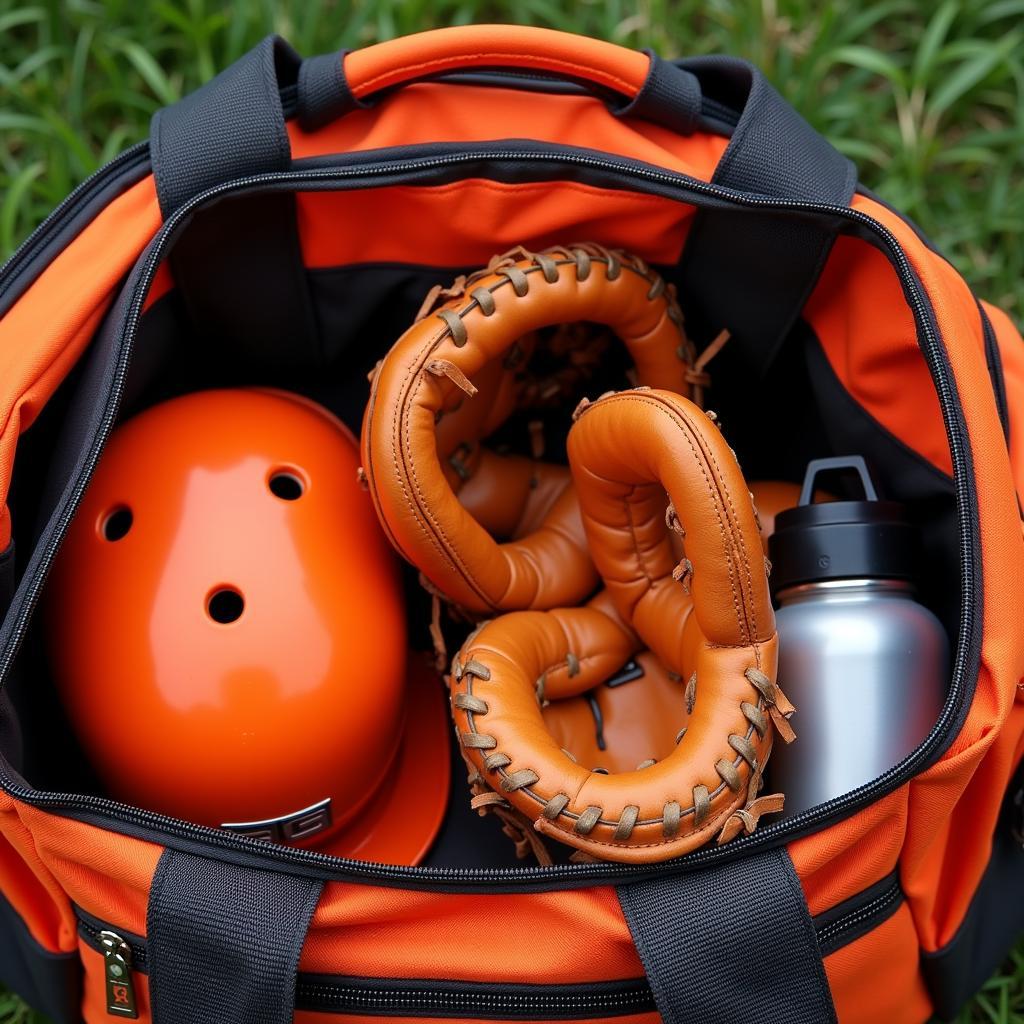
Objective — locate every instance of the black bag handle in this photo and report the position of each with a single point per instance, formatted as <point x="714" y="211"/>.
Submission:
<point x="729" y="944"/>
<point x="223" y="941"/>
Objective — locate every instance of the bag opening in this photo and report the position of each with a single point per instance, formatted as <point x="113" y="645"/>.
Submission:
<point x="828" y="392"/>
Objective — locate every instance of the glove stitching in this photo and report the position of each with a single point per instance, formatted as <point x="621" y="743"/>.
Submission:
<point x="749" y="711"/>
<point x="421" y="512"/>
<point x="573" y="815"/>
<point x="441" y="540"/>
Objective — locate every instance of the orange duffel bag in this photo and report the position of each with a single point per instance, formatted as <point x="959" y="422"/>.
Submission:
<point x="281" y="228"/>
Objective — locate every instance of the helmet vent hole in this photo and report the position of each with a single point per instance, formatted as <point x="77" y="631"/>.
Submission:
<point x="225" y="605"/>
<point x="117" y="523"/>
<point x="286" y="485"/>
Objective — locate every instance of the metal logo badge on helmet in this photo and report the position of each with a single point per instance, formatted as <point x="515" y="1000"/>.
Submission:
<point x="228" y="631"/>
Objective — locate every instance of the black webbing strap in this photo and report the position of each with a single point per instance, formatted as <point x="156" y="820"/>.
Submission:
<point x="670" y="96"/>
<point x="323" y="94"/>
<point x="748" y="271"/>
<point x="730" y="943"/>
<point x="223" y="941"/>
<point x="230" y="127"/>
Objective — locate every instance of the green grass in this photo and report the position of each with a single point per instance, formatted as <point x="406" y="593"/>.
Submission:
<point x="927" y="98"/>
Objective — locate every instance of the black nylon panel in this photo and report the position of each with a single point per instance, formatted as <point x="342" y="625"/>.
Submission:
<point x="49" y="982"/>
<point x="223" y="941"/>
<point x="747" y="271"/>
<point x="239" y="266"/>
<point x="730" y="944"/>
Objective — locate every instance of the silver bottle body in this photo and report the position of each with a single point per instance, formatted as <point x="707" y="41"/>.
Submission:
<point x="866" y="667"/>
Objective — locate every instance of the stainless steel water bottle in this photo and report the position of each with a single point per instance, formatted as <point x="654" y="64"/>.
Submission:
<point x="865" y="664"/>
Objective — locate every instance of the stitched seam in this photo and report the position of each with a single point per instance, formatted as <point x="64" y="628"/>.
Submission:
<point x="741" y="549"/>
<point x="699" y="457"/>
<point x="688" y="430"/>
<point x="628" y="507"/>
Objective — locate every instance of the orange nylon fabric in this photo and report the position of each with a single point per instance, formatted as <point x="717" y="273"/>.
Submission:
<point x="850" y="856"/>
<point x="876" y="977"/>
<point x="43" y="334"/>
<point x="105" y="873"/>
<point x="869" y="340"/>
<point x="387" y="225"/>
<point x="397" y="933"/>
<point x="866" y="328"/>
<point x="489" y="46"/>
<point x="940" y="876"/>
<point x="29" y="886"/>
<point x="431" y="112"/>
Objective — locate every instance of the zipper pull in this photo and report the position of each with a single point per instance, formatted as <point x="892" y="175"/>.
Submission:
<point x="117" y="969"/>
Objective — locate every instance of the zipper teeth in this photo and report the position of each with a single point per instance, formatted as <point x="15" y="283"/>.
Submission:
<point x="81" y="194"/>
<point x="398" y="1000"/>
<point x="875" y="906"/>
<point x="379" y="872"/>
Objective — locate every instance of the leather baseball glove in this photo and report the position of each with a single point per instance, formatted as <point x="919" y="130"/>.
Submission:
<point x="706" y="709"/>
<point x="494" y="531"/>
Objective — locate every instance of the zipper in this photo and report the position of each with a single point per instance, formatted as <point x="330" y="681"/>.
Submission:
<point x="686" y="189"/>
<point x="117" y="973"/>
<point x="123" y="164"/>
<point x="419" y="997"/>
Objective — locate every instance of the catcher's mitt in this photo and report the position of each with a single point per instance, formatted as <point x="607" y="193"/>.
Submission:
<point x="456" y="374"/>
<point x="707" y="620"/>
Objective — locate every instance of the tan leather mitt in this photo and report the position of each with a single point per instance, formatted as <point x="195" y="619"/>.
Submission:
<point x="494" y="532"/>
<point x="706" y="620"/>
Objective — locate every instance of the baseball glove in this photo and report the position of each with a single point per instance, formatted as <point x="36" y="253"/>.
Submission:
<point x="492" y="531"/>
<point x="704" y="623"/>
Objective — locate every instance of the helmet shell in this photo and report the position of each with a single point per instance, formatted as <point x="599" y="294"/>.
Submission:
<point x="227" y="624"/>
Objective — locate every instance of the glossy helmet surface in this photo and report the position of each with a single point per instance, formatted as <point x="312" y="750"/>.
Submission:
<point x="228" y="631"/>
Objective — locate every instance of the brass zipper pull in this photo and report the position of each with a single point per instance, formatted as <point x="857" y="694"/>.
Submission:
<point x="117" y="970"/>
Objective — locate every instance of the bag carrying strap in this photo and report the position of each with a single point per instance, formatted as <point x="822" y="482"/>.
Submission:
<point x="228" y="128"/>
<point x="730" y="943"/>
<point x="223" y="941"/>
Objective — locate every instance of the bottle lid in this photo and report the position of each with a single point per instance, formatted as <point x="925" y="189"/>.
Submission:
<point x="836" y="540"/>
